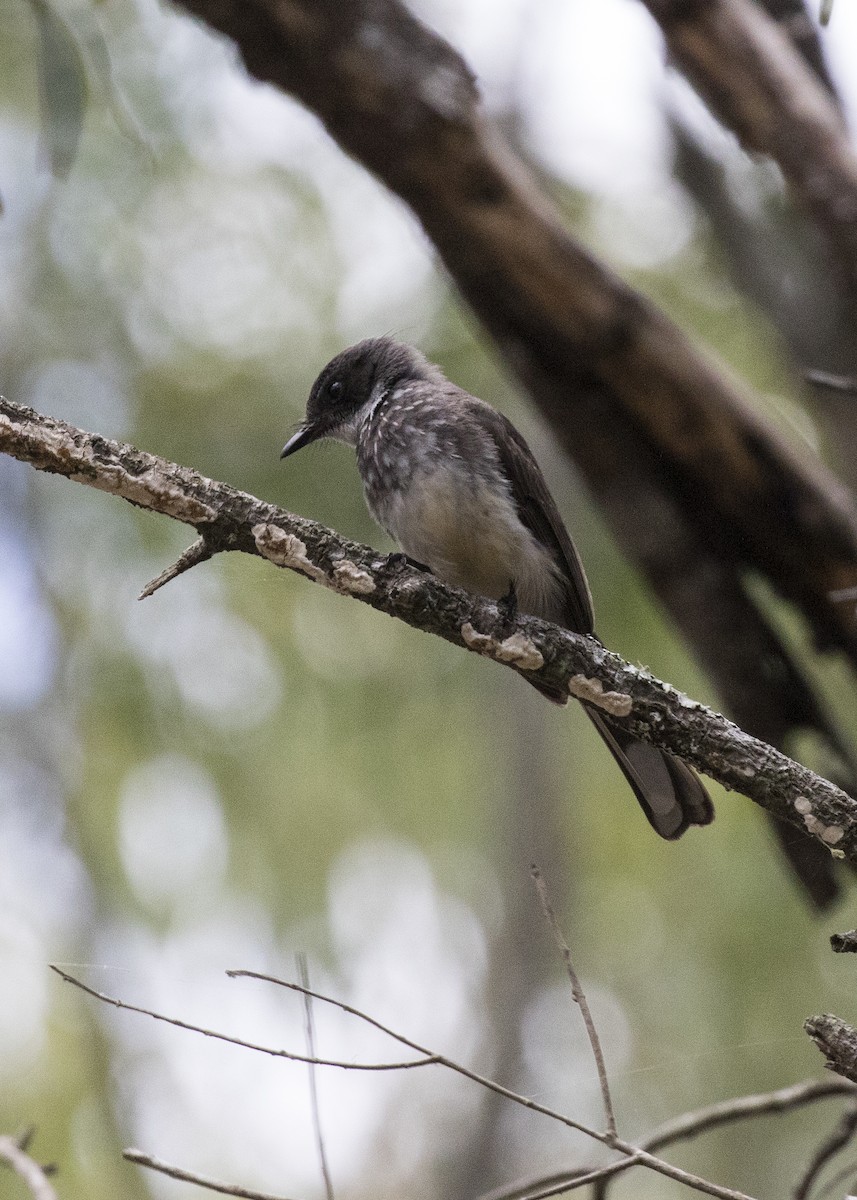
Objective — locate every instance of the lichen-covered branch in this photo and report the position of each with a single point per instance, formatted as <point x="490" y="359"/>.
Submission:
<point x="227" y="519"/>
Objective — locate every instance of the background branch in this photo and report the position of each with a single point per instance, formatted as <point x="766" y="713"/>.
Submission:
<point x="233" y="520"/>
<point x="13" y="1152"/>
<point x="688" y="1125"/>
<point x="213" y="1185"/>
<point x="309" y="1028"/>
<point x="638" y="1155"/>
<point x="829" y="1148"/>
<point x="760" y="85"/>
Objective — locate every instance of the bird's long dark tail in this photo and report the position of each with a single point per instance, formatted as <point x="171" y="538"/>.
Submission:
<point x="670" y="794"/>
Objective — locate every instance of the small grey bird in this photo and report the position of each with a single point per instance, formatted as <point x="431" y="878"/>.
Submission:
<point x="458" y="489"/>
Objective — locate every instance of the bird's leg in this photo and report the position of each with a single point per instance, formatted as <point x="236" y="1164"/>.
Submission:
<point x="398" y="559"/>
<point x="507" y="606"/>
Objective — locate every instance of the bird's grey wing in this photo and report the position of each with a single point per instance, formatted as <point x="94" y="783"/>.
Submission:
<point x="538" y="512"/>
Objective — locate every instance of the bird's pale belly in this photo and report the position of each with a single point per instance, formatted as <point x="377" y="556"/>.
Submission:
<point x="471" y="536"/>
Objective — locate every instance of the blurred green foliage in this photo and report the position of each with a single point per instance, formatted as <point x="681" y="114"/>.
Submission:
<point x="245" y="765"/>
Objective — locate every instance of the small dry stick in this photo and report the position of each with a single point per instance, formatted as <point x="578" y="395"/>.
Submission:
<point x="213" y="1185"/>
<point x="223" y="1037"/>
<point x="838" y="1139"/>
<point x="13" y="1152"/>
<point x="580" y="1000"/>
<point x="198" y="552"/>
<point x="313" y="1088"/>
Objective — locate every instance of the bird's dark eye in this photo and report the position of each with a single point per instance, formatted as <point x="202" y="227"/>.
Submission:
<point x="334" y="388"/>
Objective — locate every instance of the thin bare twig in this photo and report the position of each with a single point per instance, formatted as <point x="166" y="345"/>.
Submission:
<point x="844" y="943"/>
<point x="838" y="1139"/>
<point x="686" y="1126"/>
<point x="198" y="552"/>
<point x="13" y="1152"/>
<point x="234" y="1041"/>
<point x="213" y="1185"/>
<point x="313" y="1088"/>
<point x="580" y="1000"/>
<point x="642" y="1156"/>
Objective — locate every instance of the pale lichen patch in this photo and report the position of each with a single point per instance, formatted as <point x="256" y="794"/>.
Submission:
<point x="482" y="643"/>
<point x="348" y="577"/>
<point x="617" y="704"/>
<point x="150" y="489"/>
<point x="829" y="834"/>
<point x="286" y="550"/>
<point x="522" y="651"/>
<point x="518" y="649"/>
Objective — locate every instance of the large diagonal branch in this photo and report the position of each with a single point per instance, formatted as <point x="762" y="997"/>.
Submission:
<point x="757" y="81"/>
<point x="227" y="519"/>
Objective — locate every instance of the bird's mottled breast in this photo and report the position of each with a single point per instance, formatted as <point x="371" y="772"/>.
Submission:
<point x="408" y="435"/>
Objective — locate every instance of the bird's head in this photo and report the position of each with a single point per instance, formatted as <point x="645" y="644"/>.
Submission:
<point x="350" y="382"/>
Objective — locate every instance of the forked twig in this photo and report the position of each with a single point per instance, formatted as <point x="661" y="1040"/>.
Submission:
<point x="580" y="1000"/>
<point x="688" y="1125"/>
<point x="643" y="1157"/>
<point x="234" y="1041"/>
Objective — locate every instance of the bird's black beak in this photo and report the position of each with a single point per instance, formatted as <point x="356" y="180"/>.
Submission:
<point x="297" y="441"/>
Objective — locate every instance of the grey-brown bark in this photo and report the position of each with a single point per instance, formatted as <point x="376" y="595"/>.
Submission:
<point x="837" y="1041"/>
<point x="227" y="519"/>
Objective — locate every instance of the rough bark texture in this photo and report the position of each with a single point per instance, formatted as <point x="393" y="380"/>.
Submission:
<point x="837" y="1041"/>
<point x="227" y="519"/>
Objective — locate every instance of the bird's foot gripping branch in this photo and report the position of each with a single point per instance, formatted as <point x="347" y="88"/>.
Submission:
<point x="227" y="519"/>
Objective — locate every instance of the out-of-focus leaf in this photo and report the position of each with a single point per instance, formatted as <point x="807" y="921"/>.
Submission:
<point x="826" y="10"/>
<point x="63" y="88"/>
